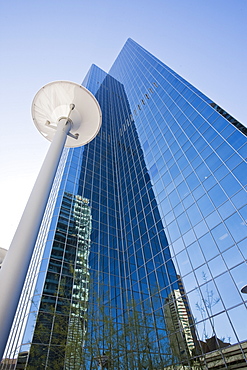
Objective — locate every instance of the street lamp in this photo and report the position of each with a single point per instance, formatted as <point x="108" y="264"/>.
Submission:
<point x="244" y="289"/>
<point x="67" y="114"/>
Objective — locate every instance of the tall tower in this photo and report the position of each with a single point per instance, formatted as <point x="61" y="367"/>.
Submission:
<point x="141" y="255"/>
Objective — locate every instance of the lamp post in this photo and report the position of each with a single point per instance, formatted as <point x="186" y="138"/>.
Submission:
<point x="67" y="114"/>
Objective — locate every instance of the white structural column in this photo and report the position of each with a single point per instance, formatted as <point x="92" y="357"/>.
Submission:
<point x="16" y="262"/>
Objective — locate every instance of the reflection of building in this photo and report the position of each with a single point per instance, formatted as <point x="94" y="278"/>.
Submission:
<point x="232" y="355"/>
<point x="179" y="325"/>
<point x="60" y="327"/>
<point x="77" y="322"/>
<point x="166" y="181"/>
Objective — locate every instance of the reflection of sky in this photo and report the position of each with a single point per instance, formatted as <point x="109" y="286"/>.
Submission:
<point x="209" y="257"/>
<point x="222" y="294"/>
<point x="214" y="303"/>
<point x="236" y="315"/>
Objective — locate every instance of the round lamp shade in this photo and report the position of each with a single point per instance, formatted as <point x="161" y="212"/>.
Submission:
<point x="244" y="289"/>
<point x="53" y="103"/>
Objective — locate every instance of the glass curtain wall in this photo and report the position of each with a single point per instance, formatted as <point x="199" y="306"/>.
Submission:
<point x="195" y="153"/>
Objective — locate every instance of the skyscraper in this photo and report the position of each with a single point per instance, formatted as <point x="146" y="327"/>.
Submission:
<point x="142" y="253"/>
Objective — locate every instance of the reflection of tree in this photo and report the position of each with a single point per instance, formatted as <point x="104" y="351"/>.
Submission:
<point x="209" y="342"/>
<point x="59" y="334"/>
<point x="126" y="342"/>
<point x="205" y="306"/>
<point x="97" y="339"/>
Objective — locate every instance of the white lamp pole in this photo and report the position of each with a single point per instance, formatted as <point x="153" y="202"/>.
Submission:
<point x="68" y="115"/>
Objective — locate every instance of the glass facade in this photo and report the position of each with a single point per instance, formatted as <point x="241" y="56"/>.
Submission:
<point x="142" y="254"/>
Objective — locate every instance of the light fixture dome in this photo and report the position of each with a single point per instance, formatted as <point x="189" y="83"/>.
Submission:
<point x="53" y="103"/>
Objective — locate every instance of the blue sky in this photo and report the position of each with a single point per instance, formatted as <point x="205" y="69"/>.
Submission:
<point x="46" y="40"/>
